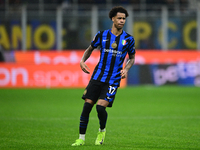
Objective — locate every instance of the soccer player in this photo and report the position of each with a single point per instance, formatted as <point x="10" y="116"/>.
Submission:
<point x="114" y="44"/>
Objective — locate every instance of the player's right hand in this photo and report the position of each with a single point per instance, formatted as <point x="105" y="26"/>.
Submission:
<point x="84" y="67"/>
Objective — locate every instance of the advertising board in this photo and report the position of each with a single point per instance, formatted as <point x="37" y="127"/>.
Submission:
<point x="49" y="69"/>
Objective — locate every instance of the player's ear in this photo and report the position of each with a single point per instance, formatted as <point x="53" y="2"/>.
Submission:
<point x="113" y="19"/>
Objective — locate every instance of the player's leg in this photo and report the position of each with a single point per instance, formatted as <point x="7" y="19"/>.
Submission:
<point x="90" y="96"/>
<point x="84" y="119"/>
<point x="107" y="97"/>
<point x="102" y="115"/>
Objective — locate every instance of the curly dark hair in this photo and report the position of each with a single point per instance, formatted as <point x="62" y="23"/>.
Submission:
<point x="113" y="12"/>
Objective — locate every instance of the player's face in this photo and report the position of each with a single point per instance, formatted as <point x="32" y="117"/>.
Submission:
<point x="119" y="20"/>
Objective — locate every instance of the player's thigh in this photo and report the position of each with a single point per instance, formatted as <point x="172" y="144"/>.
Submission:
<point x="103" y="102"/>
<point x="92" y="91"/>
<point x="108" y="93"/>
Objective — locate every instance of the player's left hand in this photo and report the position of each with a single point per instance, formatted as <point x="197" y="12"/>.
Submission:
<point x="124" y="73"/>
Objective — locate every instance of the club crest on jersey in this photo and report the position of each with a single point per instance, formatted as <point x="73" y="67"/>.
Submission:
<point x="85" y="92"/>
<point x="114" y="45"/>
<point x="123" y="42"/>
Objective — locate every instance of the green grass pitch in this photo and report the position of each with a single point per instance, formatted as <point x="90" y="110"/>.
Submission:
<point x="142" y="118"/>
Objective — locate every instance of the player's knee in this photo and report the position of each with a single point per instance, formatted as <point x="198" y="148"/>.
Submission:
<point x="100" y="109"/>
<point x="87" y="109"/>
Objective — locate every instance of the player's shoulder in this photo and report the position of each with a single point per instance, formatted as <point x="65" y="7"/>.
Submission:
<point x="101" y="32"/>
<point x="128" y="36"/>
<point x="104" y="31"/>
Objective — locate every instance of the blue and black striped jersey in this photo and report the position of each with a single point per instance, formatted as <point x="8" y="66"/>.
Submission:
<point x="113" y="50"/>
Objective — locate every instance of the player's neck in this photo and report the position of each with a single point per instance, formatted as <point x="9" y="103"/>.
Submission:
<point x="116" y="31"/>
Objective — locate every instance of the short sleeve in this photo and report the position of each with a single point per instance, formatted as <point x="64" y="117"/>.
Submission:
<point x="131" y="49"/>
<point x="96" y="41"/>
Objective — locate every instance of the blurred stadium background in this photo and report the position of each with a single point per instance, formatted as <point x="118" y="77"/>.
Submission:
<point x="42" y="41"/>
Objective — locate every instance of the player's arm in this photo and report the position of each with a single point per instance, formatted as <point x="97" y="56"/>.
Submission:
<point x="86" y="55"/>
<point x="129" y="64"/>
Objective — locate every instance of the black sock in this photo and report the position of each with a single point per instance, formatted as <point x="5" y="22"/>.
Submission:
<point x="102" y="115"/>
<point x="84" y="119"/>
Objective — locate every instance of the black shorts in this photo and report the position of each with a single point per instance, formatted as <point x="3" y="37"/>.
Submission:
<point x="100" y="90"/>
